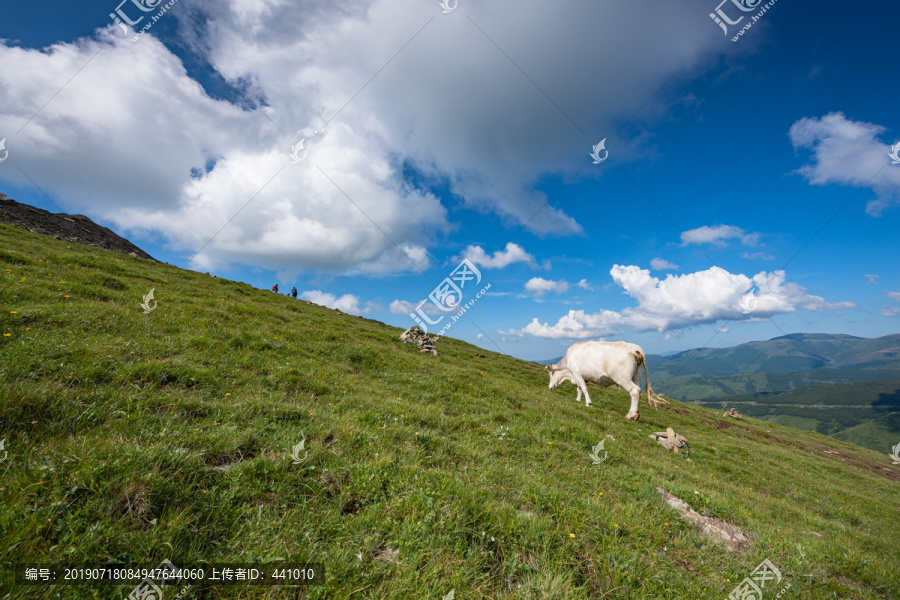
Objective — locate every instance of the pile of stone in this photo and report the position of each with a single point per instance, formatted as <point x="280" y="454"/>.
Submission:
<point x="425" y="341"/>
<point x="670" y="440"/>
<point x="731" y="413"/>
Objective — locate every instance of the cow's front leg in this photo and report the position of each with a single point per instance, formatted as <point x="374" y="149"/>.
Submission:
<point x="582" y="388"/>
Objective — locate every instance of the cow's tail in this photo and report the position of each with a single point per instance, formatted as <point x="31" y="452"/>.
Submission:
<point x="653" y="399"/>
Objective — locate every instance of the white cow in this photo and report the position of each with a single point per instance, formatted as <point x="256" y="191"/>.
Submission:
<point x="605" y="363"/>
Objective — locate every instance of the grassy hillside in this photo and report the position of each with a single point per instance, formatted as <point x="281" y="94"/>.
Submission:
<point x="866" y="413"/>
<point x="141" y="437"/>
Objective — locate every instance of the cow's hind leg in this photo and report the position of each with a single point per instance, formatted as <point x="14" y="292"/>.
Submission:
<point x="635" y="391"/>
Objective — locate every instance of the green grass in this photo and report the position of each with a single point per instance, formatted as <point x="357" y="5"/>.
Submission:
<point x="795" y="422"/>
<point x="138" y="438"/>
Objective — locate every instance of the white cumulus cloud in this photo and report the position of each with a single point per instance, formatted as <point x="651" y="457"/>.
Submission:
<point x="539" y="286"/>
<point x="513" y="253"/>
<point x="850" y="153"/>
<point x="678" y="302"/>
<point x="205" y="169"/>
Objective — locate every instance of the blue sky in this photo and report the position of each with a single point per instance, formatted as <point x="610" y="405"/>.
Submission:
<point x="758" y="166"/>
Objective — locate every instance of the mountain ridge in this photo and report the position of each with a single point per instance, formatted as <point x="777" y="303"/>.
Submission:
<point x="66" y="227"/>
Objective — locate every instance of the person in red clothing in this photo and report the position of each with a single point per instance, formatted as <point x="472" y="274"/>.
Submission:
<point x="275" y="288"/>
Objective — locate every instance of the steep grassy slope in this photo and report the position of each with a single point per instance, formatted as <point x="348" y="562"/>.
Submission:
<point x="141" y="437"/>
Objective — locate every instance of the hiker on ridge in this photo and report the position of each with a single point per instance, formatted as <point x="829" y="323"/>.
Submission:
<point x="294" y="293"/>
<point x="275" y="288"/>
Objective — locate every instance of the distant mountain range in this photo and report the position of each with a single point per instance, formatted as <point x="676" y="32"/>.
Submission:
<point x="777" y="365"/>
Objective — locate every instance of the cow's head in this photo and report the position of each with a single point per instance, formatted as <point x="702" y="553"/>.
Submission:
<point x="557" y="375"/>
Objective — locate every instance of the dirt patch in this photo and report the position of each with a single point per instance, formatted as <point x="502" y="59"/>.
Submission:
<point x="716" y="529"/>
<point x="388" y="554"/>
<point x="884" y="469"/>
<point x="352" y="506"/>
<point x="224" y="468"/>
<point x="333" y="483"/>
<point x="245" y="451"/>
<point x="132" y="503"/>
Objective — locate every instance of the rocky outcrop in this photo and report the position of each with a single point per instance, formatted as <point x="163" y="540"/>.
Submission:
<point x="69" y="228"/>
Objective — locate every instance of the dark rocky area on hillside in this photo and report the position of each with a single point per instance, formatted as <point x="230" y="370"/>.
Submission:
<point x="62" y="226"/>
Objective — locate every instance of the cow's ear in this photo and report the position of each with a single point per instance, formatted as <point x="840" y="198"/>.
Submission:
<point x="550" y="368"/>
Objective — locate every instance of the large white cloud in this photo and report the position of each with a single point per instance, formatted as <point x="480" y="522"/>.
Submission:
<point x="129" y="138"/>
<point x="123" y="139"/>
<point x="677" y="302"/>
<point x="848" y="152"/>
